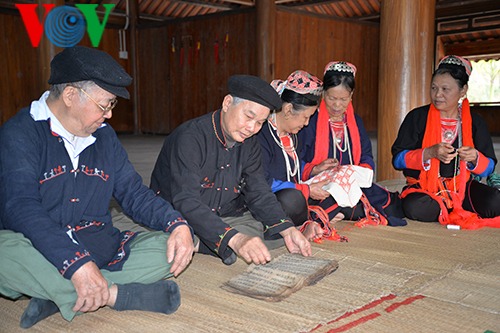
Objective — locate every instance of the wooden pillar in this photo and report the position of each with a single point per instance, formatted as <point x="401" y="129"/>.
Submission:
<point x="406" y="66"/>
<point x="45" y="50"/>
<point x="266" y="35"/>
<point x="134" y="21"/>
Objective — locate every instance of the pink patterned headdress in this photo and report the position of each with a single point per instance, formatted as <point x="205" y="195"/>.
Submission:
<point x="301" y="82"/>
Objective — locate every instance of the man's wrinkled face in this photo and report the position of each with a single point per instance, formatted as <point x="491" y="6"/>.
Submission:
<point x="86" y="116"/>
<point x="244" y="119"/>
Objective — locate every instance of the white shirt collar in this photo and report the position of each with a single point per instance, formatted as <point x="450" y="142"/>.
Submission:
<point x="40" y="111"/>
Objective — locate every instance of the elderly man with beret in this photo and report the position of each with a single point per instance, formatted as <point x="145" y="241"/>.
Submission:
<point x="210" y="169"/>
<point x="60" y="164"/>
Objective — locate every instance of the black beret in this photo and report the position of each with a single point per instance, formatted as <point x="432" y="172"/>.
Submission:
<point x="254" y="89"/>
<point x="80" y="63"/>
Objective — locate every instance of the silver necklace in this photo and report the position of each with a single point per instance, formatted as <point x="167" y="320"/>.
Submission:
<point x="338" y="142"/>
<point x="289" y="172"/>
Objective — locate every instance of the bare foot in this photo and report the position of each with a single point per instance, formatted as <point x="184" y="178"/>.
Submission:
<point x="313" y="231"/>
<point x="338" y="217"/>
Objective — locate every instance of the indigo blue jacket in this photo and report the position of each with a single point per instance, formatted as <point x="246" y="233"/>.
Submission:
<point x="64" y="211"/>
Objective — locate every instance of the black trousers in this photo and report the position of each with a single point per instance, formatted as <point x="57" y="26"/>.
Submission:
<point x="479" y="198"/>
<point x="294" y="204"/>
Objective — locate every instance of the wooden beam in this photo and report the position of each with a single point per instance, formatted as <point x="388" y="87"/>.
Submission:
<point x="211" y="5"/>
<point x="449" y="10"/>
<point x="306" y="3"/>
<point x="467" y="30"/>
<point x="480" y="47"/>
<point x="324" y="16"/>
<point x="242" y="2"/>
<point x="455" y="3"/>
<point x="369" y="17"/>
<point x="469" y="16"/>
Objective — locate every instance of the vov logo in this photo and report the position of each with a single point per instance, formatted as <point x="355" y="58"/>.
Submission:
<point x="64" y="25"/>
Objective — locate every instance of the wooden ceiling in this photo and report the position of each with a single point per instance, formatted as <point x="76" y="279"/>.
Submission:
<point x="461" y="25"/>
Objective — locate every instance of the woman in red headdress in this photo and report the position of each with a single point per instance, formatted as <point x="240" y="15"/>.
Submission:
<point x="300" y="94"/>
<point x="439" y="146"/>
<point x="335" y="137"/>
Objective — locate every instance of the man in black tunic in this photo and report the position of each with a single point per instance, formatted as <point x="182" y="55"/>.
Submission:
<point x="210" y="169"/>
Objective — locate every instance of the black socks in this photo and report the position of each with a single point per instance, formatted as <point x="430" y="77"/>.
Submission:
<point x="205" y="250"/>
<point x="162" y="296"/>
<point x="38" y="309"/>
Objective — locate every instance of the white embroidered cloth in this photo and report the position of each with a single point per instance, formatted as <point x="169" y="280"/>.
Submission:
<point x="345" y="183"/>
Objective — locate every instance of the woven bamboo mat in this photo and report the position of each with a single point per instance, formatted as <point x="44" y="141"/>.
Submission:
<point x="455" y="272"/>
<point x="426" y="247"/>
<point x="207" y="308"/>
<point x="414" y="314"/>
<point x="477" y="288"/>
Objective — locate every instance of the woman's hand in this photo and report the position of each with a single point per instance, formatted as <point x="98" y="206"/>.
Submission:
<point x="327" y="164"/>
<point x="468" y="154"/>
<point x="442" y="151"/>
<point x="316" y="191"/>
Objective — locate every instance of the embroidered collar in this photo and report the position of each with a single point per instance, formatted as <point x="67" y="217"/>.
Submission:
<point x="219" y="131"/>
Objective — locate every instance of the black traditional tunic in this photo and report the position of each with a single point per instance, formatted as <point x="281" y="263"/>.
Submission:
<point x="407" y="155"/>
<point x="205" y="180"/>
<point x="410" y="137"/>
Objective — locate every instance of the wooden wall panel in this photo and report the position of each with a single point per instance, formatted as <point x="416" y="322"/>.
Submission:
<point x="172" y="92"/>
<point x="309" y="43"/>
<point x="154" y="80"/>
<point x="19" y="81"/>
<point x="123" y="119"/>
<point x="492" y="116"/>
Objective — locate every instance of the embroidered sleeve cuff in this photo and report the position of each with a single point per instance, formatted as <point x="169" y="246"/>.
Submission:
<point x="414" y="160"/>
<point x="71" y="266"/>
<point x="304" y="188"/>
<point x="306" y="174"/>
<point x="171" y="225"/>
<point x="482" y="164"/>
<point x="366" y="165"/>
<point x="222" y="248"/>
<point x="270" y="231"/>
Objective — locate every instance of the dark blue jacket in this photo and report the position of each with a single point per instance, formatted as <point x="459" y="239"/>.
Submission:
<point x="64" y="212"/>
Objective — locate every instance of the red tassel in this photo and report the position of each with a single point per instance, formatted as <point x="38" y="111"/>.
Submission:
<point x="216" y="49"/>
<point x="329" y="232"/>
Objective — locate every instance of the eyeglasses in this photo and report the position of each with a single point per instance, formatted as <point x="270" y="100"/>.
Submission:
<point x="105" y="110"/>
